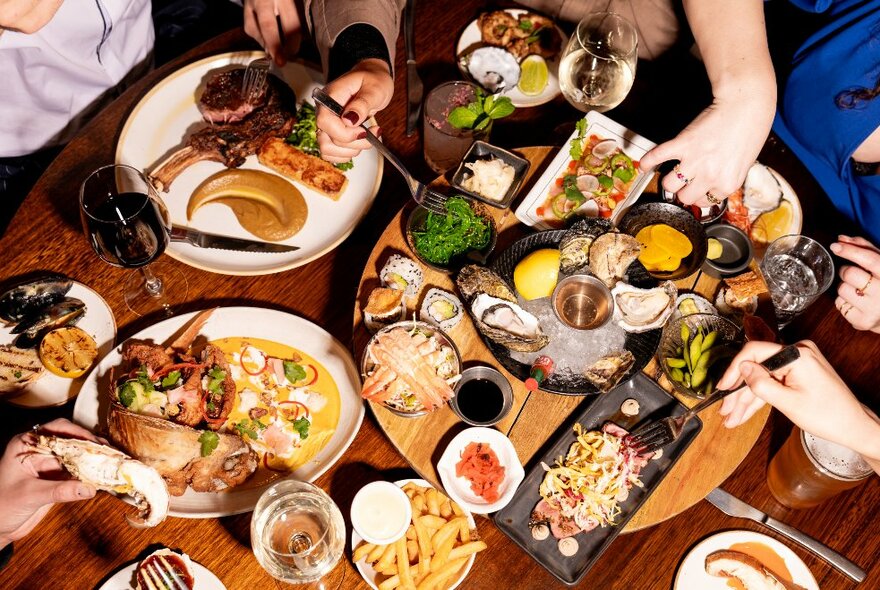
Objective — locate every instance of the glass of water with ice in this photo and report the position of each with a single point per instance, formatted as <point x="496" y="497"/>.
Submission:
<point x="298" y="534"/>
<point x="797" y="269"/>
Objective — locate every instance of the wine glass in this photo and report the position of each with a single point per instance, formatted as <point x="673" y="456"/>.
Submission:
<point x="298" y="535"/>
<point x="598" y="65"/>
<point x="128" y="226"/>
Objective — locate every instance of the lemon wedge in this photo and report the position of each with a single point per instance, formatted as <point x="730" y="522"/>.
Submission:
<point x="68" y="352"/>
<point x="772" y="224"/>
<point x="533" y="75"/>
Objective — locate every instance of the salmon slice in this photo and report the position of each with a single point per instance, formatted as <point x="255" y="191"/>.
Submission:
<point x="480" y="466"/>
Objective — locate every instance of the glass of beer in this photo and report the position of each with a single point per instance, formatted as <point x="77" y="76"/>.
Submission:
<point x="808" y="470"/>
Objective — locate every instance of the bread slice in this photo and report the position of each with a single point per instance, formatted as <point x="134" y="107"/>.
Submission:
<point x="18" y="367"/>
<point x="746" y="285"/>
<point x="751" y="573"/>
<point x="312" y="171"/>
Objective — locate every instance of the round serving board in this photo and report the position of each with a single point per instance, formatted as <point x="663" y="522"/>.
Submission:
<point x="710" y="459"/>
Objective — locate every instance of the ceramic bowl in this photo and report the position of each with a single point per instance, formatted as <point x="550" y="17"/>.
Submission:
<point x="645" y="214"/>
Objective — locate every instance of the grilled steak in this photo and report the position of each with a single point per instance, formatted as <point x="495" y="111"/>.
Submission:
<point x="221" y="102"/>
<point x="232" y="143"/>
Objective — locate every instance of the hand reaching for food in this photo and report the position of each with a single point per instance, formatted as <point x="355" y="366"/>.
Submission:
<point x="858" y="296"/>
<point x="363" y="91"/>
<point x="808" y="391"/>
<point x="276" y="25"/>
<point x="30" y="484"/>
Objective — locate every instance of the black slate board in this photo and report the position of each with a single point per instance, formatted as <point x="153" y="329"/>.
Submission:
<point x="513" y="519"/>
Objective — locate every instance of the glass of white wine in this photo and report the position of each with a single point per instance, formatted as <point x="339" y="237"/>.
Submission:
<point x="599" y="63"/>
<point x="298" y="535"/>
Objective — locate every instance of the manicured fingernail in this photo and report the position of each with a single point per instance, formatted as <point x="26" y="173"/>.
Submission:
<point x="836" y="248"/>
<point x="351" y="116"/>
<point x="362" y="135"/>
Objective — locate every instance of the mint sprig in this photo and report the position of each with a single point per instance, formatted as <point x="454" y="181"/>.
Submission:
<point x="480" y="113"/>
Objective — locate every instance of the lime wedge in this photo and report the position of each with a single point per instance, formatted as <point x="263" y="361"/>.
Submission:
<point x="533" y="76"/>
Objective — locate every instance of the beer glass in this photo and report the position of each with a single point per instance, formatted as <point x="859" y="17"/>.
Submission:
<point x="808" y="470"/>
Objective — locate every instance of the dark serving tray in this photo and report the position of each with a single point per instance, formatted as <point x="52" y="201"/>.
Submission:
<point x="642" y="346"/>
<point x="513" y="519"/>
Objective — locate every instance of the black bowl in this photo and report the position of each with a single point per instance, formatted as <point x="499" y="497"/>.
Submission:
<point x="641" y="216"/>
<point x="480" y="150"/>
<point x="416" y="222"/>
<point x="736" y="251"/>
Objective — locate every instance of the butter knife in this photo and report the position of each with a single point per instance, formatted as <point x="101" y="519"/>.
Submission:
<point x="201" y="239"/>
<point x="414" y="87"/>
<point x="735" y="507"/>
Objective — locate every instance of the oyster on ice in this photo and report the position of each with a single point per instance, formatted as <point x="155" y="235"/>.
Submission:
<point x="110" y="470"/>
<point x="474" y="279"/>
<point x="574" y="248"/>
<point x="607" y="372"/>
<point x="761" y="191"/>
<point x="611" y="254"/>
<point x="508" y="324"/>
<point x="639" y="310"/>
<point x="493" y="68"/>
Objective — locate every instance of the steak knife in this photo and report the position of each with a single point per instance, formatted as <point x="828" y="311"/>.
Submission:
<point x="201" y="239"/>
<point x="735" y="507"/>
<point x="414" y="87"/>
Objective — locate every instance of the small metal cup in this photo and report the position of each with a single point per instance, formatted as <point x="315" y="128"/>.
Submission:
<point x="489" y="374"/>
<point x="582" y="302"/>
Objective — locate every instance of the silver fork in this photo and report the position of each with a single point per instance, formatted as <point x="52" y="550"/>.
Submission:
<point x="660" y="433"/>
<point x="421" y="194"/>
<point x="162" y="576"/>
<point x="255" y="77"/>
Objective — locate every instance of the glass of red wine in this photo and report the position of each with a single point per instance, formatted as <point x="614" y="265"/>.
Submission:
<point x="128" y="226"/>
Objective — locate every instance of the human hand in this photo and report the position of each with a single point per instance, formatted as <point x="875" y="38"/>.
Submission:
<point x="715" y="150"/>
<point x="27" y="16"/>
<point x="280" y="36"/>
<point x="808" y="391"/>
<point x="858" y="296"/>
<point x="363" y="91"/>
<point x="30" y="483"/>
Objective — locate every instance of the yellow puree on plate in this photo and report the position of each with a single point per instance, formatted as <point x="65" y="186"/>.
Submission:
<point x="323" y="419"/>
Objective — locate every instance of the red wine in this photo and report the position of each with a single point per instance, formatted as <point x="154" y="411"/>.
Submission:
<point x="127" y="229"/>
<point x="480" y="400"/>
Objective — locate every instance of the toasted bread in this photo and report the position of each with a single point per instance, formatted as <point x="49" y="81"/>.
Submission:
<point x="751" y="573"/>
<point x="746" y="285"/>
<point x="312" y="171"/>
<point x="18" y="367"/>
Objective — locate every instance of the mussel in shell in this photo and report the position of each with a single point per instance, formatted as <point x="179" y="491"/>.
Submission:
<point x="31" y="329"/>
<point x="28" y="298"/>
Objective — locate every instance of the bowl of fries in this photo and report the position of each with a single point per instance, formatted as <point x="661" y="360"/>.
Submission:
<point x="437" y="551"/>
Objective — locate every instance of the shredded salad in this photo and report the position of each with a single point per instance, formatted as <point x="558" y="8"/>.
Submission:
<point x="587" y="485"/>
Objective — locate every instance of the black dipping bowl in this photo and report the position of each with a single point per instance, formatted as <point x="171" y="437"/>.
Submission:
<point x="736" y="250"/>
<point x="416" y="222"/>
<point x="640" y="216"/>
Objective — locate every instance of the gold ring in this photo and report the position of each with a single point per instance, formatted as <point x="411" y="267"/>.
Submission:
<point x="680" y="176"/>
<point x="846" y="311"/>
<point x="712" y="198"/>
<point x="861" y="292"/>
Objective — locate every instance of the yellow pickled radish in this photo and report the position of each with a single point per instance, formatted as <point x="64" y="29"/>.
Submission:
<point x="671" y="240"/>
<point x="715" y="249"/>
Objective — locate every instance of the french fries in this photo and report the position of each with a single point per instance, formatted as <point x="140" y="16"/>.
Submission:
<point x="437" y="545"/>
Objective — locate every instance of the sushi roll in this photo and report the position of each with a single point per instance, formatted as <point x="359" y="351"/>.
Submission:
<point x="403" y="274"/>
<point x="441" y="308"/>
<point x="384" y="306"/>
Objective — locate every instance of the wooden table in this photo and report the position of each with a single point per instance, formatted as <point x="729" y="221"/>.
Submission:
<point x="78" y="545"/>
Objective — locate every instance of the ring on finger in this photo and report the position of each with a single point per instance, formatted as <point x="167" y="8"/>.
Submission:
<point x="679" y="175"/>
<point x="712" y="198"/>
<point x="845" y="310"/>
<point x="861" y="292"/>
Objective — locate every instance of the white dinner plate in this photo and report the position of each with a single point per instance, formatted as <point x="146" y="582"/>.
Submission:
<point x="788" y="194"/>
<point x="91" y="407"/>
<point x="692" y="574"/>
<point x="52" y="390"/>
<point x="366" y="569"/>
<point x="471" y="38"/>
<point x="124" y="579"/>
<point x="165" y="115"/>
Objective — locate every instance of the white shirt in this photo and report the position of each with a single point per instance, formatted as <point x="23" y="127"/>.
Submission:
<point x="53" y="80"/>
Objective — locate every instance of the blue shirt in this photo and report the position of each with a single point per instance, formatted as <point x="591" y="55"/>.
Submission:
<point x="843" y="55"/>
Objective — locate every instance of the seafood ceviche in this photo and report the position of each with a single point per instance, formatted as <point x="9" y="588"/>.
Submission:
<point x="410" y="368"/>
<point x="597" y="178"/>
<point x="582" y="491"/>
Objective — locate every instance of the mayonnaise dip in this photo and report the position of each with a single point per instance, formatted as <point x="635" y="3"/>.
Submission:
<point x="381" y="512"/>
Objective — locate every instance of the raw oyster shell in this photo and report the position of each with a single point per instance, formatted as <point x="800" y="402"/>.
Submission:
<point x="28" y="298"/>
<point x="639" y="310"/>
<point x="493" y="68"/>
<point x="574" y="248"/>
<point x="607" y="372"/>
<point x="761" y="191"/>
<point x="507" y="323"/>
<point x="611" y="254"/>
<point x="474" y="279"/>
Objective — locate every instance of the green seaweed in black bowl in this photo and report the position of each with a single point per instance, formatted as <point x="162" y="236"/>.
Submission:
<point x="460" y="230"/>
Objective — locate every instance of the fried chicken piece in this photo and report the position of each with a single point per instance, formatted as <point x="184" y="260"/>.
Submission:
<point x="497" y="28"/>
<point x="312" y="171"/>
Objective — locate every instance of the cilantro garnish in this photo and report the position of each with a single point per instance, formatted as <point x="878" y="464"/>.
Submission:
<point x="576" y="151"/>
<point x="245" y="429"/>
<point x="294" y="372"/>
<point x="526" y="25"/>
<point x="127" y="394"/>
<point x="209" y="441"/>
<point x="301" y="425"/>
<point x="171" y="379"/>
<point x="217" y="377"/>
<point x="17" y="374"/>
<point x="144" y="380"/>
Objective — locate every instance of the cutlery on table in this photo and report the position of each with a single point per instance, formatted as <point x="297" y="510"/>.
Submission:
<point x="421" y="194"/>
<point x="255" y="77"/>
<point x="732" y="506"/>
<point x="414" y="87"/>
<point x="657" y="434"/>
<point x="201" y="239"/>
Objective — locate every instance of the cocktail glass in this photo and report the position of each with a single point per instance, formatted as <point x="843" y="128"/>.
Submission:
<point x="444" y="144"/>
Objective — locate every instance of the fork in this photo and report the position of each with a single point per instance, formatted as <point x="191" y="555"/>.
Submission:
<point x="421" y="194"/>
<point x="255" y="76"/>
<point x="657" y="434"/>
<point x="162" y="576"/>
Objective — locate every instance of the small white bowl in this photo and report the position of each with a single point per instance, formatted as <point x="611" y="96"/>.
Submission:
<point x="459" y="488"/>
<point x="359" y="510"/>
